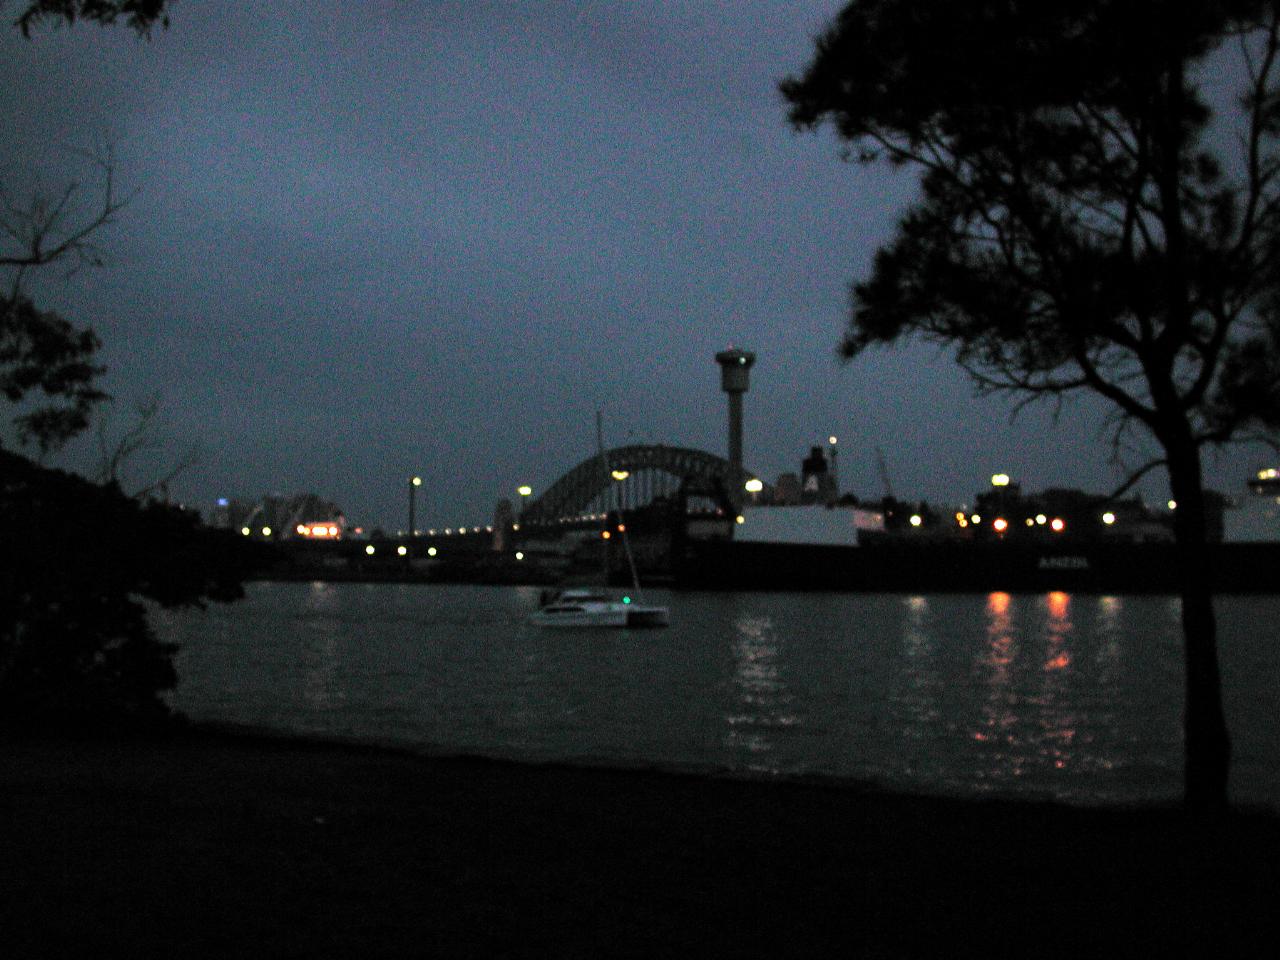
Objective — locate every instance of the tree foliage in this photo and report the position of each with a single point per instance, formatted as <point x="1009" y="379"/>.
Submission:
<point x="141" y="437"/>
<point x="1091" y="217"/>
<point x="78" y="560"/>
<point x="141" y="15"/>
<point x="42" y="353"/>
<point x="1084" y="223"/>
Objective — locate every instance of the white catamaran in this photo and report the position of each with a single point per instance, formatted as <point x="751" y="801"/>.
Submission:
<point x="595" y="606"/>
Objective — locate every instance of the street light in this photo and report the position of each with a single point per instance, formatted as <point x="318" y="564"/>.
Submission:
<point x="835" y="473"/>
<point x="414" y="484"/>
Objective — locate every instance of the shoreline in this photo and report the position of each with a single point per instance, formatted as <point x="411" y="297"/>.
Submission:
<point x="217" y="842"/>
<point x="238" y="732"/>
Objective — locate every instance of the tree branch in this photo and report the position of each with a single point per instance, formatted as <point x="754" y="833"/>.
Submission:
<point x="39" y="230"/>
<point x="1133" y="479"/>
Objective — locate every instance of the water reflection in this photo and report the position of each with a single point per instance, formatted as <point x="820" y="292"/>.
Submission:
<point x="1072" y="696"/>
<point x="762" y="701"/>
<point x="1026" y="667"/>
<point x="916" y="639"/>
<point x="1108" y="632"/>
<point x="1057" y="722"/>
<point x="993" y="669"/>
<point x="918" y="700"/>
<point x="323" y="686"/>
<point x="1059" y="655"/>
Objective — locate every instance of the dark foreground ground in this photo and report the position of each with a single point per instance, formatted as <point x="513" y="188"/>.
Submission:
<point x="209" y="844"/>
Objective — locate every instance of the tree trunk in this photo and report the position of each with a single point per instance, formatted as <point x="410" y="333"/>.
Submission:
<point x="1206" y="744"/>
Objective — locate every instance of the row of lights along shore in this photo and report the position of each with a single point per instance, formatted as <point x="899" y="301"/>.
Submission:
<point x="753" y="486"/>
<point x="401" y="550"/>
<point x="1001" y="525"/>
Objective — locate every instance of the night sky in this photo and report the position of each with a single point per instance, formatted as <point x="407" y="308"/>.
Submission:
<point x="379" y="239"/>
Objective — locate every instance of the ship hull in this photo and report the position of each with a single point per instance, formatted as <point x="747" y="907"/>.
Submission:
<point x="967" y="567"/>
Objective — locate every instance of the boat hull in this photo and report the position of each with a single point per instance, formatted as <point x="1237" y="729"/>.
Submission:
<point x="962" y="567"/>
<point x="614" y="615"/>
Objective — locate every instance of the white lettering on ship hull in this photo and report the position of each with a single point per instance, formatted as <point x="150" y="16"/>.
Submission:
<point x="1064" y="563"/>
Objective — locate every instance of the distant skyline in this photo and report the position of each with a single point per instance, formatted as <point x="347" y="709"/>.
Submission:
<point x="376" y="240"/>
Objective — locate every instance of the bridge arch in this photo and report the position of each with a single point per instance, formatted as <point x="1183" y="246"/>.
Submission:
<point x="584" y="488"/>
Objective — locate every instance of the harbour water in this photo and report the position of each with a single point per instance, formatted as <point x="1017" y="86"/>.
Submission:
<point x="1071" y="697"/>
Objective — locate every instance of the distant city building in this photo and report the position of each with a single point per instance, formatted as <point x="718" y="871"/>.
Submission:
<point x="504" y="519"/>
<point x="1005" y="512"/>
<point x="1266" y="482"/>
<point x="786" y="490"/>
<point x="1255" y="517"/>
<point x="818" y="484"/>
<point x="811" y="524"/>
<point x="303" y="516"/>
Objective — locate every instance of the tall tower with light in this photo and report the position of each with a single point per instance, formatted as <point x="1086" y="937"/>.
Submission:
<point x="735" y="367"/>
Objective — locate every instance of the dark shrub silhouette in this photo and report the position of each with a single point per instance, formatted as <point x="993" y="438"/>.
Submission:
<point x="77" y="562"/>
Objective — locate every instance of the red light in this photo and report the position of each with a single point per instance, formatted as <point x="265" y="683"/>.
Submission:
<point x="1057" y="525"/>
<point x="1060" y="662"/>
<point x="1000" y="524"/>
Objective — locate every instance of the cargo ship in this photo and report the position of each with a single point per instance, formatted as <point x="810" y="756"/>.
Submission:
<point x="1056" y="540"/>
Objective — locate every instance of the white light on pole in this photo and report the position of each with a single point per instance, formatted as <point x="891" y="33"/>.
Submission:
<point x="414" y="484"/>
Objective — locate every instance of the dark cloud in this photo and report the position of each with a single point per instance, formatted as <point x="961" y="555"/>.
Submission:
<point x="381" y="239"/>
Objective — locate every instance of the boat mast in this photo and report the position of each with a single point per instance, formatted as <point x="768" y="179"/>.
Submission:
<point x="608" y="503"/>
<point x="608" y="495"/>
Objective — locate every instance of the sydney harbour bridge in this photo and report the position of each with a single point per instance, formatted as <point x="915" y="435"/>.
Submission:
<point x="634" y="477"/>
<point x="655" y="480"/>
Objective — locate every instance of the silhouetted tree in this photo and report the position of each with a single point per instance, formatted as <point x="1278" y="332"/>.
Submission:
<point x="141" y="437"/>
<point x="1089" y="219"/>
<point x="141" y="15"/>
<point x="40" y="352"/>
<point x="76" y="561"/>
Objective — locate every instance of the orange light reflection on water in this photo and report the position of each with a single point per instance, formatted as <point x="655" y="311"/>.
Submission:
<point x="998" y="719"/>
<point x="1018" y="732"/>
<point x="1060" y="627"/>
<point x="1059" y="605"/>
<point x="1058" y="735"/>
